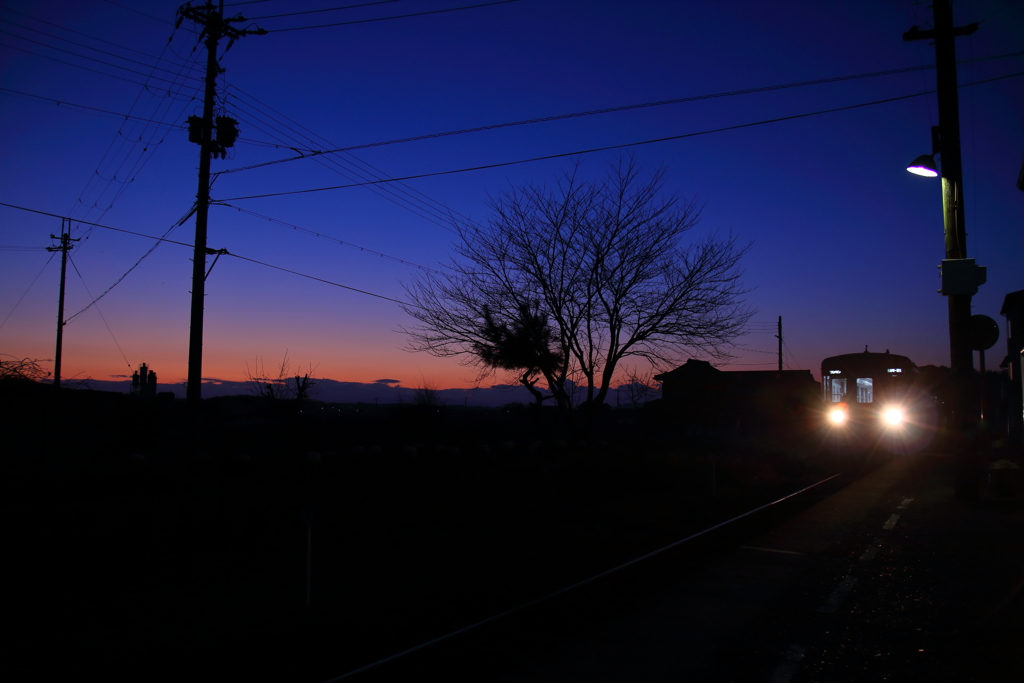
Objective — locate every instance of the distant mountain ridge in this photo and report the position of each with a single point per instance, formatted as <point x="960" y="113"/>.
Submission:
<point x="334" y="391"/>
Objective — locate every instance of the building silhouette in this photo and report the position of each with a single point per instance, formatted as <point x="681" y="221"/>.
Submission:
<point x="144" y="383"/>
<point x="698" y="393"/>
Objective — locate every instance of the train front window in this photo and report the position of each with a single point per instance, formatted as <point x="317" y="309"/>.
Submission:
<point x="865" y="387"/>
<point x="835" y="388"/>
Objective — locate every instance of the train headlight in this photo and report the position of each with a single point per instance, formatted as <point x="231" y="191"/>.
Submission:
<point x="893" y="416"/>
<point x="837" y="416"/>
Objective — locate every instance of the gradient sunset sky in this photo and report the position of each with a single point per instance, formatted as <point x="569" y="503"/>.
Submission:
<point x="844" y="242"/>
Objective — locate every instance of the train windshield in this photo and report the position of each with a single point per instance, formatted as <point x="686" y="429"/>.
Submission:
<point x="835" y="388"/>
<point x="865" y="390"/>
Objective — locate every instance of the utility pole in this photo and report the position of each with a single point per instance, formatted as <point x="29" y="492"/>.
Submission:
<point x="958" y="303"/>
<point x="779" y="335"/>
<point x="201" y="131"/>
<point x="64" y="248"/>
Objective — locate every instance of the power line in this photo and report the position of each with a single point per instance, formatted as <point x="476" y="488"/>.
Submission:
<point x="316" y="11"/>
<point x="766" y="88"/>
<point x="608" y="110"/>
<point x="790" y="354"/>
<point x="92" y="59"/>
<point x="102" y="317"/>
<point x="130" y="9"/>
<point x="121" y="115"/>
<point x="401" y="194"/>
<point x="399" y="16"/>
<point x="126" y="273"/>
<point x="85" y="68"/>
<point x="71" y="30"/>
<point x="332" y="239"/>
<point x="118" y="114"/>
<point x="226" y="253"/>
<point x="28" y="289"/>
<point x="98" y="225"/>
<point x="149" y="143"/>
<point x="328" y="282"/>
<point x="73" y="42"/>
<point x="611" y="147"/>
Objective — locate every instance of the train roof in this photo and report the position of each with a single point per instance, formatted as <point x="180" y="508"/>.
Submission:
<point x="867" y="361"/>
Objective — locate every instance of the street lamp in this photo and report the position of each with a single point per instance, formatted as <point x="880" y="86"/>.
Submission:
<point x="924" y="165"/>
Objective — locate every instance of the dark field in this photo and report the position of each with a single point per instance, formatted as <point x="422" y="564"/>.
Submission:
<point x="142" y="550"/>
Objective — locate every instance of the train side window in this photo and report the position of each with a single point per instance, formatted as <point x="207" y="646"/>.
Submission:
<point x="835" y="388"/>
<point x="865" y="387"/>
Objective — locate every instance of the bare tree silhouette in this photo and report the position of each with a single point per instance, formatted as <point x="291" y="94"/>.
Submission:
<point x="566" y="282"/>
<point x="22" y="369"/>
<point x="279" y="383"/>
<point x="427" y="395"/>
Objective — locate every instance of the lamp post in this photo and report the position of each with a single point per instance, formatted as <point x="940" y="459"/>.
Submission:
<point x="960" y="276"/>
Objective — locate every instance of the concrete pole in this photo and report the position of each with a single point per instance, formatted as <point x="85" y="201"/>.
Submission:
<point x="955" y="235"/>
<point x="65" y="246"/>
<point x="779" y="335"/>
<point x="193" y="392"/>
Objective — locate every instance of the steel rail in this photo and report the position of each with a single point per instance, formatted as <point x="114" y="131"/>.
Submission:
<point x="562" y="591"/>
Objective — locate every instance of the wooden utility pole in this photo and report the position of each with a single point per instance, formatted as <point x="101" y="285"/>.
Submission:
<point x="64" y="248"/>
<point x="958" y="303"/>
<point x="779" y="335"/>
<point x="194" y="385"/>
<point x="201" y="131"/>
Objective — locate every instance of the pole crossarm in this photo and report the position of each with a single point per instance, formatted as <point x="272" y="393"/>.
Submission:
<point x="211" y="19"/>
<point x="915" y="33"/>
<point x="216" y="253"/>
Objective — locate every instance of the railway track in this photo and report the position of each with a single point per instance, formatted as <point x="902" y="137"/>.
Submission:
<point x="484" y="650"/>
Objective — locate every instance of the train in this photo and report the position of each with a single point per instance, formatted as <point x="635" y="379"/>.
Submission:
<point x="877" y="400"/>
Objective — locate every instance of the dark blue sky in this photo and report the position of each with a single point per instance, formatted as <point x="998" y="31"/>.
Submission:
<point x="845" y="242"/>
